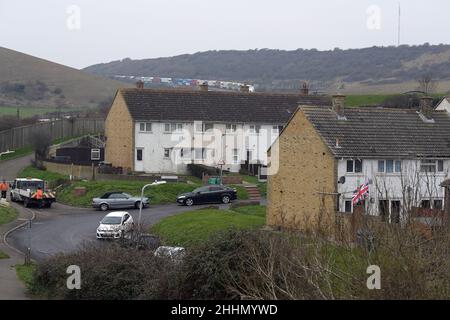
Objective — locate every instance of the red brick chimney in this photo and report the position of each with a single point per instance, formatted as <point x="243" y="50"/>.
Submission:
<point x="426" y="106"/>
<point x="304" y="91"/>
<point x="140" y="84"/>
<point x="339" y="104"/>
<point x="204" y="86"/>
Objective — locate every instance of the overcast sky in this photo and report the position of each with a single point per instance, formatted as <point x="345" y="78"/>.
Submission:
<point x="114" y="29"/>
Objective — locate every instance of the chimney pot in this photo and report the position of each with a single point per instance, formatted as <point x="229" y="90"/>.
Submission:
<point x="204" y="86"/>
<point x="245" y="88"/>
<point x="426" y="106"/>
<point x="339" y="104"/>
<point x="140" y="84"/>
<point x="304" y="91"/>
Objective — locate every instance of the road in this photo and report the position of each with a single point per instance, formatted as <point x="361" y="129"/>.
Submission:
<point x="11" y="168"/>
<point x="64" y="229"/>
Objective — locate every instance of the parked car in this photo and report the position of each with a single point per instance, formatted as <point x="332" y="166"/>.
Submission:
<point x="115" y="225"/>
<point x="208" y="194"/>
<point x="118" y="200"/>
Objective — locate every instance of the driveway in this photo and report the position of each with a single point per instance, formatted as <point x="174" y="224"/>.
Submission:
<point x="64" y="229"/>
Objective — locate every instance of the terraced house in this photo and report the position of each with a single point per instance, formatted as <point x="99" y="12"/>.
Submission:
<point x="162" y="131"/>
<point x="325" y="153"/>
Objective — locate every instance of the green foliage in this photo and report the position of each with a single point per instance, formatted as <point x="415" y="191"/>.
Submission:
<point x="26" y="112"/>
<point x="189" y="228"/>
<point x="25" y="273"/>
<point x="3" y="255"/>
<point x="49" y="176"/>
<point x="7" y="215"/>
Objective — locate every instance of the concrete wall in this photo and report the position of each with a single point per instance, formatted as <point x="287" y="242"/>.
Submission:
<point x="76" y="171"/>
<point x="21" y="137"/>
<point x="302" y="179"/>
<point x="119" y="132"/>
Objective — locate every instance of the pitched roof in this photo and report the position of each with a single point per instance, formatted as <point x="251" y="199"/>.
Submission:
<point x="183" y="105"/>
<point x="371" y="132"/>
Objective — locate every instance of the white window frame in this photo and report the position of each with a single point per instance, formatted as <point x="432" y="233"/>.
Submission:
<point x="203" y="153"/>
<point x="168" y="151"/>
<point x="394" y="166"/>
<point x="230" y="128"/>
<point x="431" y="163"/>
<point x="173" y="127"/>
<point x="235" y="155"/>
<point x="204" y="129"/>
<point x="146" y="125"/>
<point x="97" y="151"/>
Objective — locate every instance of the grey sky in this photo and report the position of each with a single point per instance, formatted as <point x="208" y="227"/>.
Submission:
<point x="115" y="29"/>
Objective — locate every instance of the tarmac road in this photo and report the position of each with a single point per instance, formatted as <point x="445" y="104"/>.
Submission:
<point x="63" y="229"/>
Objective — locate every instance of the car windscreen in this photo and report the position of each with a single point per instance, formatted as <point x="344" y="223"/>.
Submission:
<point x="201" y="189"/>
<point x="32" y="185"/>
<point x="111" y="220"/>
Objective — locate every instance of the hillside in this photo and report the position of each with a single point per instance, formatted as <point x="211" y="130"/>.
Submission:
<point x="369" y="70"/>
<point x="29" y="81"/>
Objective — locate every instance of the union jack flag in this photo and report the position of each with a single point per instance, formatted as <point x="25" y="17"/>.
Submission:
<point x="360" y="193"/>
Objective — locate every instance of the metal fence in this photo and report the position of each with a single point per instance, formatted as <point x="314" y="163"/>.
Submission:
<point x="21" y="137"/>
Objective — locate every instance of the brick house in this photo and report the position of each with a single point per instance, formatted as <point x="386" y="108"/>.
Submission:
<point x="162" y="131"/>
<point x="325" y="153"/>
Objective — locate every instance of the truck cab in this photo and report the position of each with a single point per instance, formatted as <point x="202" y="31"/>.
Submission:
<point x="24" y="190"/>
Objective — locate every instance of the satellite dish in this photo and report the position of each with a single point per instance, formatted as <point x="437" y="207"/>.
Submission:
<point x="341" y="180"/>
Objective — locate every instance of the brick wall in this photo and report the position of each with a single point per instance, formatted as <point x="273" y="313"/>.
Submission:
<point x="119" y="131"/>
<point x="300" y="193"/>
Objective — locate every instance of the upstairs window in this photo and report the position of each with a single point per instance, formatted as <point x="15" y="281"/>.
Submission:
<point x="431" y="166"/>
<point x="173" y="127"/>
<point x="354" y="166"/>
<point x="204" y="127"/>
<point x="145" y="127"/>
<point x="230" y="128"/>
<point x="389" y="166"/>
<point x="254" y="129"/>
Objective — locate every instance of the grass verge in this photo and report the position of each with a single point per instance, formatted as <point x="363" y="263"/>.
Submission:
<point x="165" y="193"/>
<point x="25" y="273"/>
<point x="3" y="255"/>
<point x="189" y="228"/>
<point x="46" y="175"/>
<point x="7" y="215"/>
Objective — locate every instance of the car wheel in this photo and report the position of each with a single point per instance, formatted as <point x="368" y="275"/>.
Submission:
<point x="104" y="207"/>
<point x="138" y="204"/>
<point x="225" y="199"/>
<point x="189" y="202"/>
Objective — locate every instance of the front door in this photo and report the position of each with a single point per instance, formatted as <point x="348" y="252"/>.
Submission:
<point x="395" y="211"/>
<point x="139" y="163"/>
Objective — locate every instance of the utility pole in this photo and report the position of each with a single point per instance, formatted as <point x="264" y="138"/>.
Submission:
<point x="399" y="24"/>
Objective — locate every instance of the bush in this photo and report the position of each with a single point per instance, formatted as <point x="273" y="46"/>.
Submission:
<point x="111" y="273"/>
<point x="258" y="265"/>
<point x="197" y="170"/>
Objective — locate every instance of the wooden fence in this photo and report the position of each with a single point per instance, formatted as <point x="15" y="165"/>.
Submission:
<point x="21" y="137"/>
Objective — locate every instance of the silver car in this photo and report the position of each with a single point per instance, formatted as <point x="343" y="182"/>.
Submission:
<point x="118" y="200"/>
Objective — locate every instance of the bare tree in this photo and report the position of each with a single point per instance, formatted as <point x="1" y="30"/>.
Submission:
<point x="427" y="84"/>
<point x="41" y="142"/>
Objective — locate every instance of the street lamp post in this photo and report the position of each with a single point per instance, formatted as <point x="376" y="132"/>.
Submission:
<point x="156" y="183"/>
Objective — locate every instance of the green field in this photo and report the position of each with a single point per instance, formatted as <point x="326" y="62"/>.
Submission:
<point x="26" y="112"/>
<point x="195" y="226"/>
<point x="7" y="215"/>
<point x="366" y="99"/>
